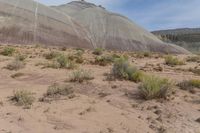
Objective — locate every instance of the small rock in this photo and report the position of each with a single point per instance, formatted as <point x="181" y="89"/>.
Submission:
<point x="192" y="91"/>
<point x="134" y="105"/>
<point x="198" y="120"/>
<point x="158" y="112"/>
<point x="114" y="86"/>
<point x="159" y="119"/>
<point x="108" y="101"/>
<point x="162" y="130"/>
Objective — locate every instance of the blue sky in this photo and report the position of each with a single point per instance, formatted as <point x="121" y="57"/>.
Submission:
<point x="152" y="14"/>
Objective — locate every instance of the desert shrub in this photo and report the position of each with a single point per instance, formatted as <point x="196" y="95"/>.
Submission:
<point x="195" y="70"/>
<point x="193" y="59"/>
<point x="51" y="55"/>
<point x="57" y="90"/>
<point x="143" y="54"/>
<point x="195" y="83"/>
<point x="80" y="49"/>
<point x="23" y="98"/>
<point x="104" y="60"/>
<point x="61" y="61"/>
<point x="153" y="87"/>
<point x="15" y="65"/>
<point x="123" y="70"/>
<point x="147" y="54"/>
<point x="21" y="57"/>
<point x="81" y="76"/>
<point x="137" y="76"/>
<point x="98" y="51"/>
<point x="77" y="57"/>
<point x="54" y="64"/>
<point x="173" y="61"/>
<point x="116" y="56"/>
<point x="108" y="59"/>
<point x="8" y="51"/>
<point x="63" y="48"/>
<point x="189" y="84"/>
<point x="71" y="65"/>
<point x="120" y="68"/>
<point x="79" y="52"/>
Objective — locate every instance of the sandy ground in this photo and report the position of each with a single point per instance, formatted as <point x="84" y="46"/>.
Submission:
<point x="120" y="110"/>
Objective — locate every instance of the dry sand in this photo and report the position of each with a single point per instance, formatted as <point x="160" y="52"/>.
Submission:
<point x="99" y="106"/>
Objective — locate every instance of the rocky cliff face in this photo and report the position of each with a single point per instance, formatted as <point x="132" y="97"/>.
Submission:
<point x="28" y="22"/>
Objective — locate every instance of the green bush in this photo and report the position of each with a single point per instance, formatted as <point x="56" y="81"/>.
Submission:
<point x="137" y="76"/>
<point x="195" y="83"/>
<point x="153" y="87"/>
<point x="8" y="51"/>
<point x="98" y="51"/>
<point x="23" y="98"/>
<point x="123" y="70"/>
<point x="62" y="61"/>
<point x="77" y="57"/>
<point x="108" y="59"/>
<point x="120" y="69"/>
<point x="81" y="76"/>
<point x="173" y="61"/>
<point x="104" y="60"/>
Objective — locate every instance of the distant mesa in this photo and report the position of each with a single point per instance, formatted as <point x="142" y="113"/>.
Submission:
<point x="188" y="38"/>
<point x="76" y="24"/>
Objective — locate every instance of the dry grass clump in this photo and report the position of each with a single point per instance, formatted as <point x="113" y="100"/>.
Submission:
<point x="80" y="49"/>
<point x="23" y="98"/>
<point x="21" y="57"/>
<point x="143" y="54"/>
<point x="81" y="76"/>
<point x="15" y="65"/>
<point x="104" y="60"/>
<point x="8" y="51"/>
<point x="51" y="55"/>
<point x="189" y="84"/>
<point x="123" y="70"/>
<point x="63" y="61"/>
<point x="98" y="51"/>
<point x="57" y="90"/>
<point x="195" y="83"/>
<point x="195" y="70"/>
<point x="173" y="61"/>
<point x="193" y="59"/>
<point x="77" y="57"/>
<point x="153" y="87"/>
